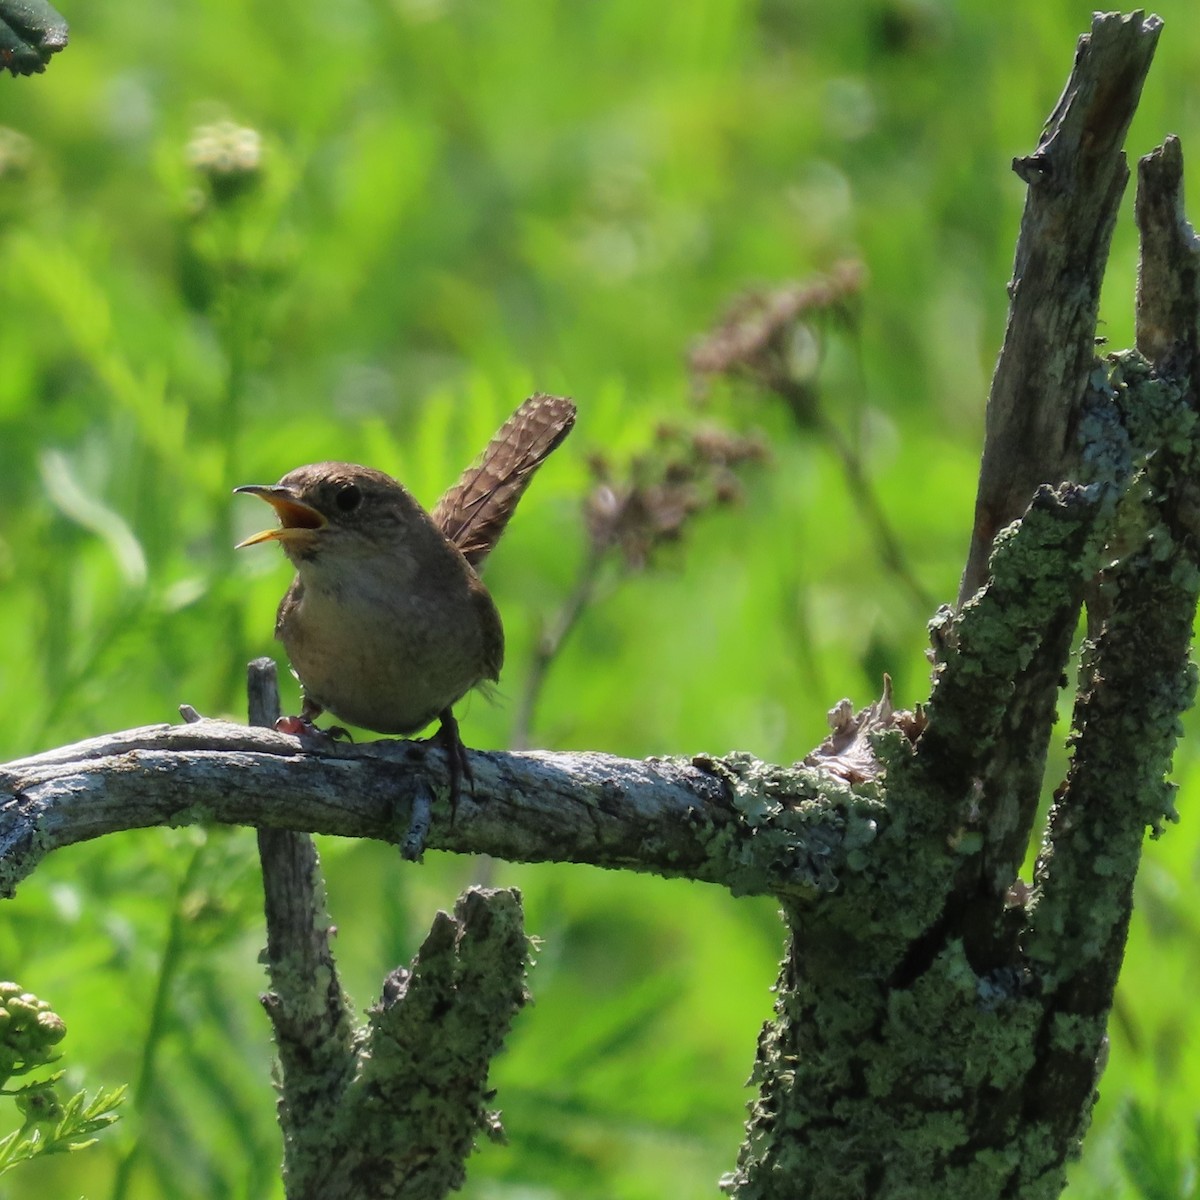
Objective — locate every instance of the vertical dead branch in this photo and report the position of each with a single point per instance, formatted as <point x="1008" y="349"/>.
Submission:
<point x="1168" y="288"/>
<point x="1135" y="677"/>
<point x="306" y="1005"/>
<point x="1076" y="178"/>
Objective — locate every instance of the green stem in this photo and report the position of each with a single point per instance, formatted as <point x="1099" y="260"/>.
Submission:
<point x="550" y="644"/>
<point x="156" y="1032"/>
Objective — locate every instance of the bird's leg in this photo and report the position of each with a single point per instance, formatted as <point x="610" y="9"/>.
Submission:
<point x="457" y="763"/>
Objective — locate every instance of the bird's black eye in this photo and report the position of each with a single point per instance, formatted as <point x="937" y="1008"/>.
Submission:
<point x="349" y="497"/>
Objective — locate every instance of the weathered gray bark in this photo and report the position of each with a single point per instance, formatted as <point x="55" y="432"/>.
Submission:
<point x="939" y="1024"/>
<point x="720" y="820"/>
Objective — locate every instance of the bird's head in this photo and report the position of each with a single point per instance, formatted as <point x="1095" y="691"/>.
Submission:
<point x="333" y="507"/>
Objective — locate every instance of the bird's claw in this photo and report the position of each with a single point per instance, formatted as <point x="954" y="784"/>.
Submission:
<point x="302" y="727"/>
<point x="457" y="764"/>
<point x="296" y="726"/>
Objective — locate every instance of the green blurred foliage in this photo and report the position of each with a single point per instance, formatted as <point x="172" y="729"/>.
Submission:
<point x="455" y="203"/>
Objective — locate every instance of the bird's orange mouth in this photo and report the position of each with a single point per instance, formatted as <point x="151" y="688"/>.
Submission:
<point x="293" y="514"/>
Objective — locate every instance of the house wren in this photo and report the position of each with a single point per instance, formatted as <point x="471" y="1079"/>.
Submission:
<point x="387" y="623"/>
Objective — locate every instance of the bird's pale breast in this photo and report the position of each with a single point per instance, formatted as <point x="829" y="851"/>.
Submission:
<point x="386" y="653"/>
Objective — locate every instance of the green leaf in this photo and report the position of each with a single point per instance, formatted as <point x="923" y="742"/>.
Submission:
<point x="1151" y="1157"/>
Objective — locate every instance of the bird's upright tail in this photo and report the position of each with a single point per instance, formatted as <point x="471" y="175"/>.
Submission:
<point x="473" y="513"/>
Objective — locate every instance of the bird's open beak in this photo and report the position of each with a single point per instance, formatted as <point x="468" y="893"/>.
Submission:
<point x="292" y="513"/>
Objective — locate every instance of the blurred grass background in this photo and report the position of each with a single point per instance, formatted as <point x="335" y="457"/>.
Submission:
<point x="458" y="203"/>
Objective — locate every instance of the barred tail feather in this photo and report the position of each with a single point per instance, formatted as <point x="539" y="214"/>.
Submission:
<point x="473" y="513"/>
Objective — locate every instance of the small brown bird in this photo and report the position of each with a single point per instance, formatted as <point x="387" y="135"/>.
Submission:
<point x="387" y="623"/>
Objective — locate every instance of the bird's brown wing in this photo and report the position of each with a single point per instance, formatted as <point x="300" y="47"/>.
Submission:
<point x="473" y="513"/>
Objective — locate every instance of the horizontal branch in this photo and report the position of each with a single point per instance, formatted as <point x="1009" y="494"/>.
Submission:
<point x="752" y="828"/>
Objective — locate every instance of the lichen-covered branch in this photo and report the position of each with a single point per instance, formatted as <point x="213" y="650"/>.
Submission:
<point x="31" y="31"/>
<point x="949" y="1045"/>
<point x="931" y="1025"/>
<point x="1135" y="678"/>
<point x="406" y="1122"/>
<point x="906" y="1022"/>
